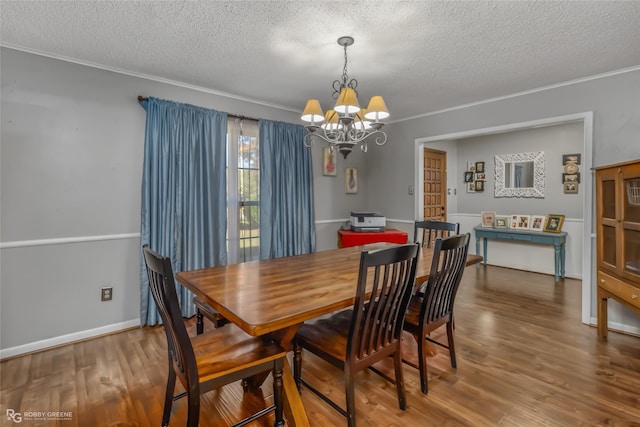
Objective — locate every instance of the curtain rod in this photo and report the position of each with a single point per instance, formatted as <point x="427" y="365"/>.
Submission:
<point x="237" y="116"/>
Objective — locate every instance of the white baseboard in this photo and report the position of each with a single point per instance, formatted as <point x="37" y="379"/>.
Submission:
<point x="66" y="339"/>
<point x="618" y="327"/>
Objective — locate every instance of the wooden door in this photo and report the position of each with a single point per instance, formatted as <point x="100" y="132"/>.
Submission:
<point x="435" y="184"/>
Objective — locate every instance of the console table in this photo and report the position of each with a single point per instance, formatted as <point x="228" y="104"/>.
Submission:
<point x="348" y="238"/>
<point x="558" y="240"/>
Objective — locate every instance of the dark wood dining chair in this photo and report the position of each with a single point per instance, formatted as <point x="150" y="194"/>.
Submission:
<point x="353" y="340"/>
<point x="429" y="230"/>
<point x="205" y="310"/>
<point x="210" y="360"/>
<point x="432" y="306"/>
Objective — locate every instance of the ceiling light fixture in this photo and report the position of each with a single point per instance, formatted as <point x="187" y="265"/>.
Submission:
<point x="346" y="125"/>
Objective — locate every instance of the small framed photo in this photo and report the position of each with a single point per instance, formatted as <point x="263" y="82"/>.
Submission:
<point x="471" y="166"/>
<point x="350" y="180"/>
<point x="468" y="177"/>
<point x="537" y="222"/>
<point x="471" y="187"/>
<point x="479" y="186"/>
<point x="488" y="219"/>
<point x="328" y="162"/>
<point x="571" y="158"/>
<point x="553" y="223"/>
<point x="479" y="167"/>
<point x="571" y="169"/>
<point x="570" y="187"/>
<point x="570" y="177"/>
<point x="520" y="222"/>
<point x="480" y="176"/>
<point x="502" y="221"/>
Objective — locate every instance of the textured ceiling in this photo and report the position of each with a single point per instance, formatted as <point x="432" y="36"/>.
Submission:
<point x="421" y="56"/>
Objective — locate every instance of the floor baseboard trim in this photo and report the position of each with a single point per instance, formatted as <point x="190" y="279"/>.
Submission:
<point x="49" y="343"/>
<point x="619" y="327"/>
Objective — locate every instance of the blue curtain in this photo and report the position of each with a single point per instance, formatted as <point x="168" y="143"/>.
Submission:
<point x="287" y="225"/>
<point x="183" y="213"/>
<point x="518" y="176"/>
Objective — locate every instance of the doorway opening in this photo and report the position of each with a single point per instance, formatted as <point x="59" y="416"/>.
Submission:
<point x="586" y="118"/>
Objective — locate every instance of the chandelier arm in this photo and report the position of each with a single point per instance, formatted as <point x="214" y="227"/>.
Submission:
<point x="357" y="135"/>
<point x="307" y="141"/>
<point x="379" y="138"/>
<point x="331" y="137"/>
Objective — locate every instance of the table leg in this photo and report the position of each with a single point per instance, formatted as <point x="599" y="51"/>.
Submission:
<point x="557" y="261"/>
<point x="562" y="257"/>
<point x="478" y="250"/>
<point x="485" y="254"/>
<point x="293" y="409"/>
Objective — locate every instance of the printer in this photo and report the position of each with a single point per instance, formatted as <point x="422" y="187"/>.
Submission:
<point x="367" y="221"/>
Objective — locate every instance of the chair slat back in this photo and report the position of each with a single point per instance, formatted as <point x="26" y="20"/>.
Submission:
<point x="377" y="321"/>
<point x="163" y="289"/>
<point x="449" y="259"/>
<point x="430" y="230"/>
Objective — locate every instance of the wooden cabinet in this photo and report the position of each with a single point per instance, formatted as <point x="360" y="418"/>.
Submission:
<point x="618" y="237"/>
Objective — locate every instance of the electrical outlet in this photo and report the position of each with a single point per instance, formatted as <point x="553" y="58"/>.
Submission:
<point x="107" y="294"/>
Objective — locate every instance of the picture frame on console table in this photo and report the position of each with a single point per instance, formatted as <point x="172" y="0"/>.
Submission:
<point x="502" y="221"/>
<point x="488" y="218"/>
<point x="520" y="222"/>
<point x="554" y="222"/>
<point x="537" y="222"/>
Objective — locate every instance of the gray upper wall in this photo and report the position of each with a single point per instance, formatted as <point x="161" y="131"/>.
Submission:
<point x="71" y="153"/>
<point x="614" y="100"/>
<point x="72" y="148"/>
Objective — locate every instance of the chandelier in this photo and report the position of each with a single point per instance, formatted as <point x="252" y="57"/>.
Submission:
<point x="346" y="125"/>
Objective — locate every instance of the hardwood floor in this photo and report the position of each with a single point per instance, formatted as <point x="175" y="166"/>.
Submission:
<point x="524" y="359"/>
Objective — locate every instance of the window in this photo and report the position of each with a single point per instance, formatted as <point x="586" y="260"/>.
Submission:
<point x="243" y="190"/>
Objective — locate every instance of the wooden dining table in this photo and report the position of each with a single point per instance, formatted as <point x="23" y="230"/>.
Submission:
<point x="275" y="297"/>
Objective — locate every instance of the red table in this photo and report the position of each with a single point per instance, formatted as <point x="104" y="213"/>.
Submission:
<point x="348" y="238"/>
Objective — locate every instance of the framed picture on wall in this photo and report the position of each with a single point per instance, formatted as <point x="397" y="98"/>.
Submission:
<point x="570" y="177"/>
<point x="479" y="186"/>
<point x="471" y="187"/>
<point x="350" y="180"/>
<point x="468" y="177"/>
<point x="479" y="167"/>
<point x="471" y="166"/>
<point x="328" y="162"/>
<point x="571" y="158"/>
<point x="570" y="187"/>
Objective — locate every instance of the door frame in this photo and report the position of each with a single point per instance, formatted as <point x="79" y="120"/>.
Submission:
<point x="587" y="161"/>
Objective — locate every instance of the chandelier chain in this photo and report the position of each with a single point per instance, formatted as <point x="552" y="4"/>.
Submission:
<point x="345" y="76"/>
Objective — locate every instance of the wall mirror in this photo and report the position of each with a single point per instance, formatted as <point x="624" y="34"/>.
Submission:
<point x="520" y="175"/>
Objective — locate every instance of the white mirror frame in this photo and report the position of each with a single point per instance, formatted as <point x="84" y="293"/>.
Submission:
<point x="538" y="175"/>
